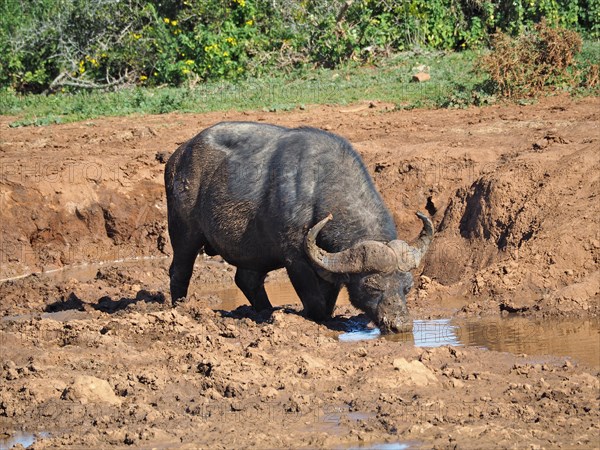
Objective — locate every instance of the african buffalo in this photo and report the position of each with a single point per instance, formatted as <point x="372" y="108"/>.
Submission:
<point x="265" y="197"/>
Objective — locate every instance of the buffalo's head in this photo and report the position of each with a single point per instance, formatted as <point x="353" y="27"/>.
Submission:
<point x="378" y="273"/>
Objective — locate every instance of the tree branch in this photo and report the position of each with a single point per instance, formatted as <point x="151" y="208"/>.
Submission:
<point x="65" y="79"/>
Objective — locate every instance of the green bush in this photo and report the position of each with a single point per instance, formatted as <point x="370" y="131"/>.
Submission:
<point x="53" y="45"/>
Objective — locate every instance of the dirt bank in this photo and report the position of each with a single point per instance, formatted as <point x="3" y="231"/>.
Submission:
<point x="99" y="359"/>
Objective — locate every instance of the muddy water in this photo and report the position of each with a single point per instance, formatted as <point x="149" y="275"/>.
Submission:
<point x="87" y="271"/>
<point x="280" y="293"/>
<point x="575" y="338"/>
<point x="578" y="339"/>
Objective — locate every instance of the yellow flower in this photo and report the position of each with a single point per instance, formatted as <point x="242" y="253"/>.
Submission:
<point x="249" y="22"/>
<point x="174" y="23"/>
<point x="185" y="71"/>
<point x="143" y="77"/>
<point x="166" y="20"/>
<point x="225" y="53"/>
<point x="189" y="62"/>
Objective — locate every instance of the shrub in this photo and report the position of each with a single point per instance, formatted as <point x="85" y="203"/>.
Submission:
<point x="533" y="62"/>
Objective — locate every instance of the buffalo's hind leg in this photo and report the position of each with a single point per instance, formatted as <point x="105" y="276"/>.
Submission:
<point x="252" y="284"/>
<point x="185" y="250"/>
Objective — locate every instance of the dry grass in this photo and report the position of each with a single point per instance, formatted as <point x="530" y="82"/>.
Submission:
<point x="536" y="62"/>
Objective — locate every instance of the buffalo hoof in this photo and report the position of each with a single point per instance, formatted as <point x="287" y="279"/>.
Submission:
<point x="177" y="301"/>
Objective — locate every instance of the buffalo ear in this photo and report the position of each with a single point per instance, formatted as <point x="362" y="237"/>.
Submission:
<point x="409" y="257"/>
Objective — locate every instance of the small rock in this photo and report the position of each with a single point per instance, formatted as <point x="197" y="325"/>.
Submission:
<point x="12" y="374"/>
<point x="162" y="156"/>
<point x="361" y="351"/>
<point x="421" y="77"/>
<point x="425" y="281"/>
<point x="414" y="372"/>
<point x="87" y="389"/>
<point x="457" y="383"/>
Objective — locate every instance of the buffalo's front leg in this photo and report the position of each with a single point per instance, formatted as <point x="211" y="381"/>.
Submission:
<point x="317" y="295"/>
<point x="252" y="284"/>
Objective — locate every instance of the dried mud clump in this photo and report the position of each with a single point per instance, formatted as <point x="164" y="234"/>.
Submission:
<point x="534" y="62"/>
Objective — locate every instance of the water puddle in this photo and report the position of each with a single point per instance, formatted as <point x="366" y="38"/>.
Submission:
<point x="426" y="333"/>
<point x="87" y="271"/>
<point x="280" y="293"/>
<point x="577" y="339"/>
<point x="20" y="438"/>
<point x="386" y="446"/>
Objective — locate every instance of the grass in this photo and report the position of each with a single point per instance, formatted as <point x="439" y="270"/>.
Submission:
<point x="389" y="82"/>
<point x="453" y="84"/>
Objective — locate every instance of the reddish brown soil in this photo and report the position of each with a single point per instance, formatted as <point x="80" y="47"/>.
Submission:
<point x="514" y="194"/>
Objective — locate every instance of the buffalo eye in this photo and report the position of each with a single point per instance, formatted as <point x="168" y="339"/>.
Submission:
<point x="372" y="284"/>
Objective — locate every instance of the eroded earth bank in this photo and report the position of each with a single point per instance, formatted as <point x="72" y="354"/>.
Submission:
<point x="92" y="354"/>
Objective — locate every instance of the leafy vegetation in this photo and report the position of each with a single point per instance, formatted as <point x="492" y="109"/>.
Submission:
<point x="457" y="81"/>
<point x="68" y="45"/>
<point x="205" y="55"/>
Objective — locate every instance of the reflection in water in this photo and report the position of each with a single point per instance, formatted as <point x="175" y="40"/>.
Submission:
<point x="434" y="333"/>
<point x="360" y="335"/>
<point x="425" y="333"/>
<point x="387" y="446"/>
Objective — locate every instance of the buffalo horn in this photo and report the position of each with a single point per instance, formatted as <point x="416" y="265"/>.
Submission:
<point x="370" y="256"/>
